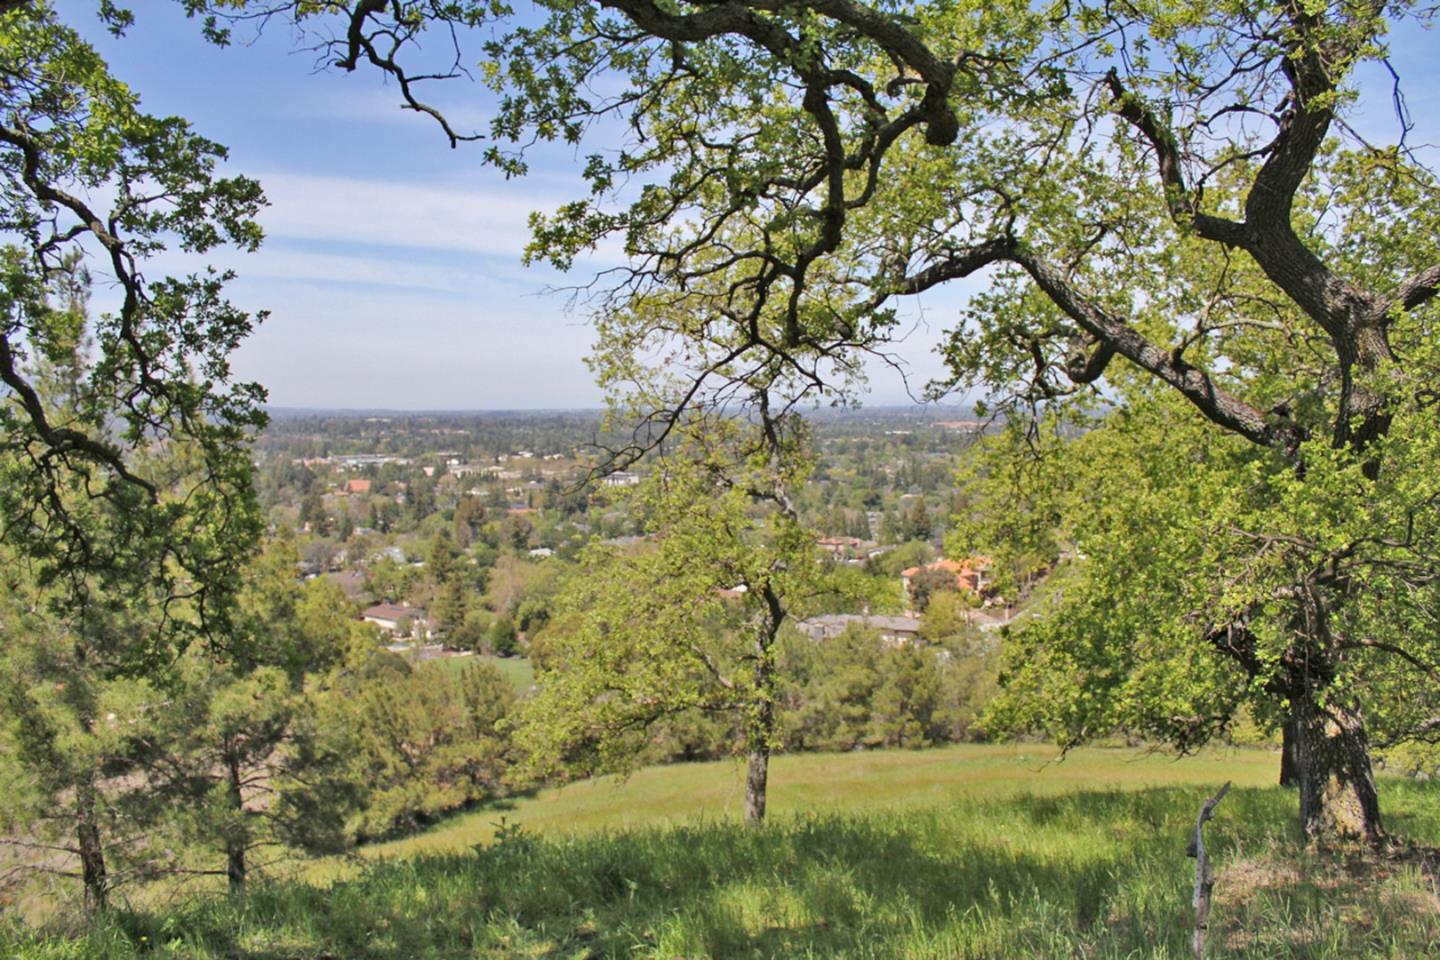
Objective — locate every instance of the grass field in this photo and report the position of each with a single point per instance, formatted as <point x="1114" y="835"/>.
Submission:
<point x="516" y="669"/>
<point x="833" y="783"/>
<point x="969" y="852"/>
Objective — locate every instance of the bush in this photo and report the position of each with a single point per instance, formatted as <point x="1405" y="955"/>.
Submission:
<point x="426" y="742"/>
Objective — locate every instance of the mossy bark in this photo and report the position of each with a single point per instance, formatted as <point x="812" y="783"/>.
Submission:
<point x="1338" y="799"/>
<point x="235" y="840"/>
<point x="1289" y="761"/>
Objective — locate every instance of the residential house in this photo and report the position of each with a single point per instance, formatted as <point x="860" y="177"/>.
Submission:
<point x="392" y="553"/>
<point x="621" y="479"/>
<point x="844" y="549"/>
<point x="400" y="619"/>
<point x="970" y="573"/>
<point x="421" y="652"/>
<point x="626" y="541"/>
<point x="891" y="630"/>
<point x="989" y="618"/>
<point x="352" y="582"/>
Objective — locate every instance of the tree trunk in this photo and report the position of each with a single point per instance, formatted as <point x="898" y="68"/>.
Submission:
<point x="760" y="736"/>
<point x="757" y="775"/>
<point x="1289" y="762"/>
<point x="1338" y="800"/>
<point x="235" y="867"/>
<point x="761" y="727"/>
<point x="235" y="839"/>
<point x="91" y="850"/>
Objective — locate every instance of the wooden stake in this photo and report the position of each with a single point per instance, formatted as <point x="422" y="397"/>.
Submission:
<point x="1204" y="875"/>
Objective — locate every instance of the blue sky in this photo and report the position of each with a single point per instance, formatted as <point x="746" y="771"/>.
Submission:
<point x="392" y="263"/>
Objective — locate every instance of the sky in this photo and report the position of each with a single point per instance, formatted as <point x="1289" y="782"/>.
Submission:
<point x="392" y="263"/>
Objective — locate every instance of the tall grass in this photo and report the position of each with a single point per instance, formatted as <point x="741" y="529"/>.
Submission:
<point x="1075" y="873"/>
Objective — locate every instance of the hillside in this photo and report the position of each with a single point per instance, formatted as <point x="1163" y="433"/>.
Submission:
<point x="961" y="852"/>
<point x="841" y="783"/>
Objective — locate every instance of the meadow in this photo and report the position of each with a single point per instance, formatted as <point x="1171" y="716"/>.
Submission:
<point x="515" y="669"/>
<point x="970" y="851"/>
<point x="811" y="783"/>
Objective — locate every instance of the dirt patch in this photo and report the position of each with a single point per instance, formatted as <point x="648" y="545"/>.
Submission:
<point x="1426" y="858"/>
<point x="1295" y="899"/>
<point x="1244" y="878"/>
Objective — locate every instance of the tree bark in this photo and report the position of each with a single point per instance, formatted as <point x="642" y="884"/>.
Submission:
<point x="234" y="836"/>
<point x="235" y="867"/>
<point x="91" y="850"/>
<point x="1204" y="874"/>
<point x="1289" y="762"/>
<point x="762" y="730"/>
<point x="1338" y="800"/>
<point x="757" y="776"/>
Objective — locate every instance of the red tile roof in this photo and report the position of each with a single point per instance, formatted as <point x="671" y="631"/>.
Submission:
<point x="967" y="572"/>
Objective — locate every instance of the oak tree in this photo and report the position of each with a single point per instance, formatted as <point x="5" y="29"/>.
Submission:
<point x="688" y="623"/>
<point x="89" y="492"/>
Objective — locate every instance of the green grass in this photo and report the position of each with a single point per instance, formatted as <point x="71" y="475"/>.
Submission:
<point x="905" y="858"/>
<point x="850" y="782"/>
<point x="516" y="669"/>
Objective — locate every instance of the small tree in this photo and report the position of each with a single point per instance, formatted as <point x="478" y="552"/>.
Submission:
<point x="450" y="609"/>
<point x="929" y="581"/>
<point x="688" y="625"/>
<point x="503" y="636"/>
<point x="240" y="753"/>
<point x="423" y="741"/>
<point x="917" y="524"/>
<point x="74" y="800"/>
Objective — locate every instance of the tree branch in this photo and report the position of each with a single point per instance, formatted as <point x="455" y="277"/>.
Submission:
<point x="1182" y="202"/>
<point x="60" y="439"/>
<point x="1416" y="291"/>
<point x="1113" y="335"/>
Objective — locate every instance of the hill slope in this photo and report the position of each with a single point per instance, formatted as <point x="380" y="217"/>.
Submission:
<point x="966" y="852"/>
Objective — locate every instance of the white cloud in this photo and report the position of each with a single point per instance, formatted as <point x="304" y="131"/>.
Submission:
<point x="454" y="241"/>
<point x="492" y="221"/>
<point x="383" y="103"/>
<point x="396" y="214"/>
<point x="479" y="278"/>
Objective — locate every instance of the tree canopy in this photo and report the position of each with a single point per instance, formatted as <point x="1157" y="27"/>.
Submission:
<point x="122" y="460"/>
